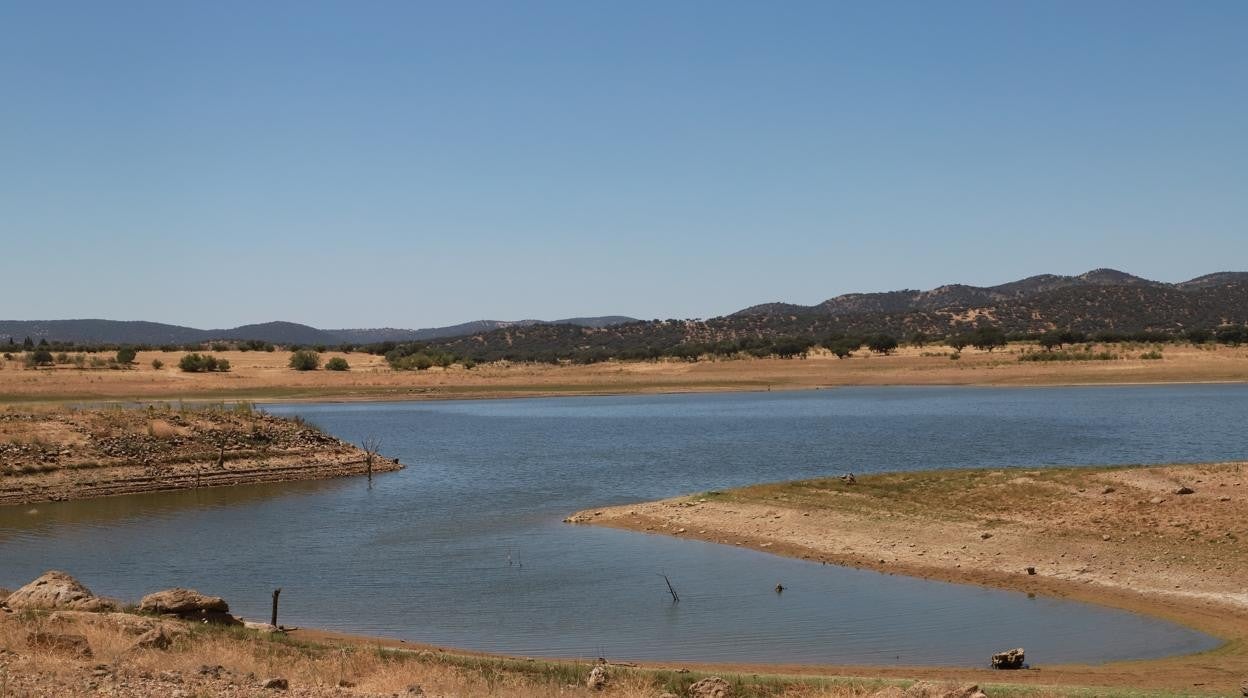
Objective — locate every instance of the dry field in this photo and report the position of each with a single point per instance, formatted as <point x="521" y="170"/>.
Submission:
<point x="263" y="375"/>
<point x="1162" y="540"/>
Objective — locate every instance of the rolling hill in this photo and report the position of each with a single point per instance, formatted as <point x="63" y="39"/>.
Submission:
<point x="1102" y="300"/>
<point x="155" y="333"/>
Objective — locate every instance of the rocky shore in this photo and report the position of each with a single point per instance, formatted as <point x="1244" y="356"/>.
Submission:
<point x="57" y="638"/>
<point x="63" y="453"/>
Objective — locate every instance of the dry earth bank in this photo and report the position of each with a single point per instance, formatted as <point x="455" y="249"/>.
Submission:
<point x="60" y="453"/>
<point x="1166" y="540"/>
<point x="49" y="650"/>
<point x="265" y="375"/>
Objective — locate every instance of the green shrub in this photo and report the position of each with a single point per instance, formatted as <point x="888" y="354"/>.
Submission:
<point x="125" y="355"/>
<point x="39" y="357"/>
<point x="1153" y="355"/>
<point x="157" y="364"/>
<point x="305" y="360"/>
<point x="200" y="363"/>
<point x="337" y="364"/>
<point x="1085" y="355"/>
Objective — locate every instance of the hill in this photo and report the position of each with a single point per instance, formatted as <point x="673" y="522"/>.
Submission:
<point x="94" y="331"/>
<point x="1099" y="301"/>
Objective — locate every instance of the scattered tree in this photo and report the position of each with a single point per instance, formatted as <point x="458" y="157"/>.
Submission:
<point x="337" y="364"/>
<point x="988" y="338"/>
<point x="125" y="355"/>
<point x="882" y="343"/>
<point x="305" y="360"/>
<point x="200" y="363"/>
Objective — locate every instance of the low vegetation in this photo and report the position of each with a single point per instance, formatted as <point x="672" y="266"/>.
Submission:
<point x="305" y="360"/>
<point x="200" y="363"/>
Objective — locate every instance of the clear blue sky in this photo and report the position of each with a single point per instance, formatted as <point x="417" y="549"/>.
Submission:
<point x="415" y="164"/>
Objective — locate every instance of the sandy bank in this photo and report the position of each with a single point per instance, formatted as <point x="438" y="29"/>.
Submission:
<point x="61" y="454"/>
<point x="1122" y="537"/>
<point x="266" y="376"/>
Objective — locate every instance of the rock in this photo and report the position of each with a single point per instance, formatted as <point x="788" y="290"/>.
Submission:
<point x="1105" y="536"/>
<point x="1031" y="571"/>
<point x="597" y="678"/>
<point x="1185" y="490"/>
<point x="263" y="628"/>
<point x="276" y="683"/>
<point x="1243" y="688"/>
<point x="415" y="690"/>
<point x="711" y="687"/>
<point x="985" y="535"/>
<point x="211" y="670"/>
<point x="925" y="689"/>
<point x="1108" y="490"/>
<point x="1010" y="659"/>
<point x="56" y="590"/>
<point x="58" y="642"/>
<point x="189" y="604"/>
<point x="155" y="639"/>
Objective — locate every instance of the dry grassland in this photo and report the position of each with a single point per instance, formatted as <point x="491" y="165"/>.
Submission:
<point x="264" y="375"/>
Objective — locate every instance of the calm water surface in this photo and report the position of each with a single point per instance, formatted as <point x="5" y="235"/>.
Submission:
<point x="465" y="547"/>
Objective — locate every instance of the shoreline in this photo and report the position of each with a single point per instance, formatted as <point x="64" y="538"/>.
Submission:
<point x="331" y="398"/>
<point x="265" y="376"/>
<point x="74" y="454"/>
<point x="766" y="519"/>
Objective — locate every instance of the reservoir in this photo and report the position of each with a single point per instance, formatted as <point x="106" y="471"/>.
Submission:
<point x="466" y="547"/>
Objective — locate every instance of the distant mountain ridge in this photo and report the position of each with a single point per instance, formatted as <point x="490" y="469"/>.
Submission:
<point x="93" y="331"/>
<point x="1101" y="300"/>
<point x="961" y="296"/>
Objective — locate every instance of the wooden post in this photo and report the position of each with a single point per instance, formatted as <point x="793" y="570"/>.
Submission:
<point x="273" y="620"/>
<point x="675" y="597"/>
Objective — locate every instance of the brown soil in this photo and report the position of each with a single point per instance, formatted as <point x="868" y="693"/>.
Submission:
<point x="265" y="375"/>
<point x="61" y="453"/>
<point x="1121" y="537"/>
<point x="205" y="661"/>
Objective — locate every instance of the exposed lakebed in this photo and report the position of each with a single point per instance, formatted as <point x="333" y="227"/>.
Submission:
<point x="466" y="548"/>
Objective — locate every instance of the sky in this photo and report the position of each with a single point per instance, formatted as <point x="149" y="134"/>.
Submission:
<point x="416" y="164"/>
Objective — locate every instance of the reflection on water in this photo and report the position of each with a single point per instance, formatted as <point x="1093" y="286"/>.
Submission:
<point x="465" y="547"/>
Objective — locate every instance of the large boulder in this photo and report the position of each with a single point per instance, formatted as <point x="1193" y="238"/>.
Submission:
<point x="56" y="590"/>
<point x="1010" y="659"/>
<point x="155" y="639"/>
<point x="188" y="604"/>
<point x="712" y="687"/>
